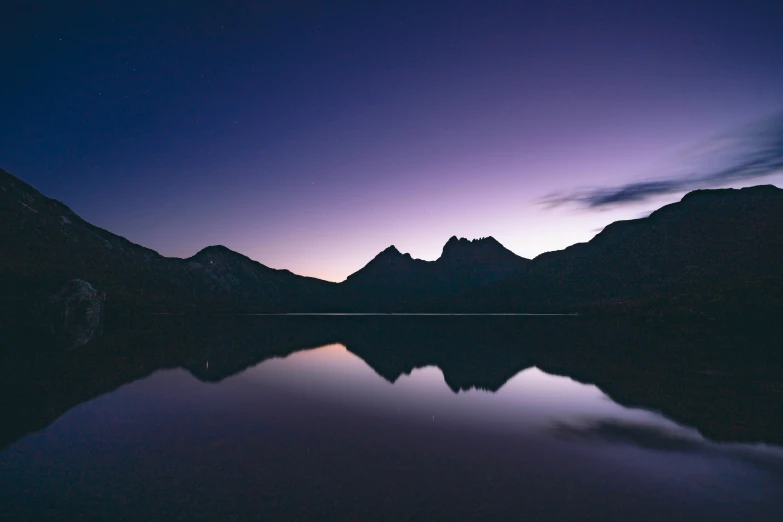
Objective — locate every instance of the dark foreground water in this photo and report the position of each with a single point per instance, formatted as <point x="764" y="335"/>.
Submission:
<point x="321" y="434"/>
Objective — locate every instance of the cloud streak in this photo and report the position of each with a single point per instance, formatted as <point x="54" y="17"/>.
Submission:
<point x="753" y="152"/>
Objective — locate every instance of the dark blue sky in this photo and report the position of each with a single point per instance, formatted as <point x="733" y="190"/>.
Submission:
<point x="311" y="137"/>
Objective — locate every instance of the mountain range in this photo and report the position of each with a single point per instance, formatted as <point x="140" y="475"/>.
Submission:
<point x="713" y="252"/>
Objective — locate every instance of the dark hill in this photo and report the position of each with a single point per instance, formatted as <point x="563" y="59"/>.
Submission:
<point x="250" y="283"/>
<point x="713" y="250"/>
<point x="43" y="244"/>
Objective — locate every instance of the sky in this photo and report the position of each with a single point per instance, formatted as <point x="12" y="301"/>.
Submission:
<point x="311" y="136"/>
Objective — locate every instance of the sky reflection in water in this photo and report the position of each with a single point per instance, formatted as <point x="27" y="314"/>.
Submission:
<point x="319" y="435"/>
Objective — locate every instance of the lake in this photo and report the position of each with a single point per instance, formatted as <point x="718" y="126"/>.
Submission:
<point x="391" y="419"/>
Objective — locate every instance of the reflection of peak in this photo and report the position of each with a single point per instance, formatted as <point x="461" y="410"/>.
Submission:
<point x="482" y="353"/>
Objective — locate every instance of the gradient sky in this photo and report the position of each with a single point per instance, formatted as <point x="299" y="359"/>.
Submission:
<point x="311" y="138"/>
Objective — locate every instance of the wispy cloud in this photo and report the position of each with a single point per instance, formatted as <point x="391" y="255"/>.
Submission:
<point x="753" y="152"/>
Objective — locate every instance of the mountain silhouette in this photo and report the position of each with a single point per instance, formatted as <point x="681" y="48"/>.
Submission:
<point x="45" y="244"/>
<point x="478" y="262"/>
<point x="714" y="252"/>
<point x="230" y="273"/>
<point x="393" y="279"/>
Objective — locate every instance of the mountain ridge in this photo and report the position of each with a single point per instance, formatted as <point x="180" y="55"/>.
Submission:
<point x="710" y="244"/>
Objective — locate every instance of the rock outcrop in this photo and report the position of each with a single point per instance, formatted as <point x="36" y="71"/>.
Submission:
<point x="76" y="313"/>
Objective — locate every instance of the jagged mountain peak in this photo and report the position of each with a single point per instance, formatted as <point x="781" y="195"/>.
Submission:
<point x="455" y="243"/>
<point x="466" y="241"/>
<point x="483" y="250"/>
<point x="391" y="255"/>
<point x="390" y="251"/>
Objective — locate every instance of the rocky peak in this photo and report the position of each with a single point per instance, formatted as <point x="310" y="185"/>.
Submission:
<point x="390" y="252"/>
<point x="391" y="256"/>
<point x="484" y="250"/>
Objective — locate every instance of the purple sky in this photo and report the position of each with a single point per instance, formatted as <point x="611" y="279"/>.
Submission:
<point x="311" y="139"/>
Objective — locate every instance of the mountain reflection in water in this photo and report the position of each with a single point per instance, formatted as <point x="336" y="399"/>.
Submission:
<point x="385" y="419"/>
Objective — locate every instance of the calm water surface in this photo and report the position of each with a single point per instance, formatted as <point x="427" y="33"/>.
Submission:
<point x="318" y="435"/>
